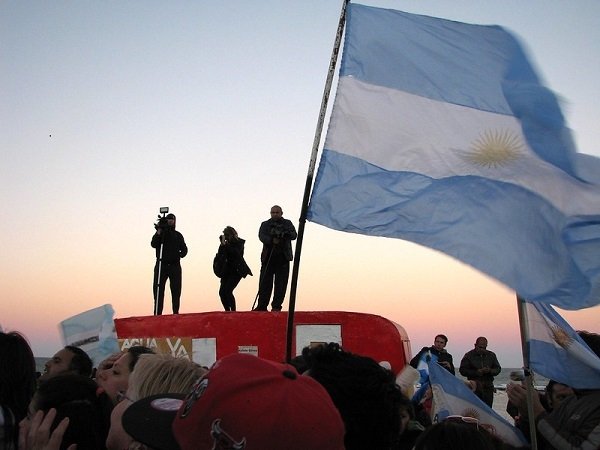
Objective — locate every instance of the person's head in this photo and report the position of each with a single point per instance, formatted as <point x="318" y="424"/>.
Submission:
<point x="230" y="234"/>
<point x="78" y="398"/>
<point x="407" y="412"/>
<point x="365" y="393"/>
<point x="439" y="342"/>
<point x="556" y="393"/>
<point x="116" y="379"/>
<point x="481" y="344"/>
<point x="17" y="373"/>
<point x="460" y="434"/>
<point x="153" y="374"/>
<point x="69" y="359"/>
<point x="243" y="400"/>
<point x="592" y="340"/>
<point x="171" y="220"/>
<point x="276" y="212"/>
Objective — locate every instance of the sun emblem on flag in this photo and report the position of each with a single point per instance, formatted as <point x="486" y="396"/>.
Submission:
<point x="495" y="148"/>
<point x="560" y="336"/>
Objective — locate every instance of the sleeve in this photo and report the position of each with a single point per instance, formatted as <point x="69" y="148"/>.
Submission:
<point x="183" y="250"/>
<point x="452" y="369"/>
<point x="155" y="243"/>
<point x="466" y="368"/>
<point x="495" y="368"/>
<point x="264" y="234"/>
<point x="290" y="231"/>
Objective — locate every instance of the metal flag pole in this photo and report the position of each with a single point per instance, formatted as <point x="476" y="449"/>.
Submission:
<point x="523" y="325"/>
<point x="309" y="178"/>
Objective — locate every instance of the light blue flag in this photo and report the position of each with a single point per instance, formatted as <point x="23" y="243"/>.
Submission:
<point x="93" y="331"/>
<point x="442" y="134"/>
<point x="557" y="352"/>
<point x="452" y="397"/>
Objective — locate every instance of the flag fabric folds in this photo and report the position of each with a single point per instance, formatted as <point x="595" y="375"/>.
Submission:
<point x="442" y="134"/>
<point x="93" y="331"/>
<point x="452" y="397"/>
<point x="557" y="352"/>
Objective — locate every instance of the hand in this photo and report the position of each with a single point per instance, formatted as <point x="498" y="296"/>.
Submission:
<point x="517" y="394"/>
<point x="445" y="364"/>
<point x="37" y="435"/>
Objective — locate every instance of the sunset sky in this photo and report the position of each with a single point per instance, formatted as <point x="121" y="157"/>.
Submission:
<point x="110" y="110"/>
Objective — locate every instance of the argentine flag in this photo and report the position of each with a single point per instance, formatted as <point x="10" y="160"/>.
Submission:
<point x="442" y="134"/>
<point x="452" y="397"/>
<point x="93" y="331"/>
<point x="557" y="352"/>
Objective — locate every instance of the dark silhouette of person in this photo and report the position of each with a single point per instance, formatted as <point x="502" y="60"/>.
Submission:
<point x="170" y="248"/>
<point x="232" y="248"/>
<point x="277" y="235"/>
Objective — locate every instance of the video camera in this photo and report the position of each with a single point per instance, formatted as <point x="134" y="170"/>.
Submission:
<point x="277" y="231"/>
<point x="163" y="222"/>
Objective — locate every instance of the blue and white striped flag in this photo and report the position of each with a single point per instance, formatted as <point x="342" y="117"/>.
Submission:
<point x="557" y="352"/>
<point x="442" y="134"/>
<point x="93" y="331"/>
<point x="452" y="397"/>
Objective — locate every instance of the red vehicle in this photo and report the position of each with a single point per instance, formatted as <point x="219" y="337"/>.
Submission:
<point x="206" y="337"/>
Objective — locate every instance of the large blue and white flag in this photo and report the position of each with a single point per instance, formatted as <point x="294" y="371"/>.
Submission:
<point x="452" y="397"/>
<point x="557" y="352"/>
<point x="442" y="134"/>
<point x="93" y="331"/>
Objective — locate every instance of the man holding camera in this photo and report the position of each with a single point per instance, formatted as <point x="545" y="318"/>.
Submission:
<point x="277" y="235"/>
<point x="170" y="248"/>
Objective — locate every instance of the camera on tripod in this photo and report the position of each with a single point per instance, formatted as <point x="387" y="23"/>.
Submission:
<point x="277" y="231"/>
<point x="163" y="222"/>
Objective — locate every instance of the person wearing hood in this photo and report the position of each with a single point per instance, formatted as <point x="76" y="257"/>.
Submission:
<point x="231" y="250"/>
<point x="170" y="248"/>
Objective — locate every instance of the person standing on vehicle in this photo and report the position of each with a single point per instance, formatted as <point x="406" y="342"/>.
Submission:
<point x="172" y="245"/>
<point x="231" y="248"/>
<point x="277" y="235"/>
<point x="481" y="366"/>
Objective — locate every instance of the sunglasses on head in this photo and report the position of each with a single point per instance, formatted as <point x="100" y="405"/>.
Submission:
<point x="464" y="419"/>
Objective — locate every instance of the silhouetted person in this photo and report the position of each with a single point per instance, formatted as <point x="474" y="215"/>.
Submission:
<point x="173" y="249"/>
<point x="277" y="235"/>
<point x="481" y="365"/>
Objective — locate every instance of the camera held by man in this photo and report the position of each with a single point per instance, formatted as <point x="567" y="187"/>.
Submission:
<point x="165" y="221"/>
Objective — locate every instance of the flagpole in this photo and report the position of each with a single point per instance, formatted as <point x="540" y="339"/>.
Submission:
<point x="523" y="325"/>
<point x="309" y="177"/>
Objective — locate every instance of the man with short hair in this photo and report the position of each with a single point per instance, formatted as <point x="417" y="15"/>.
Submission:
<point x="481" y="365"/>
<point x="70" y="359"/>
<point x="437" y="350"/>
<point x="277" y="235"/>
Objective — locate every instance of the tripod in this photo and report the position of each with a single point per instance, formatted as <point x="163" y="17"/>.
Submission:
<point x="262" y="277"/>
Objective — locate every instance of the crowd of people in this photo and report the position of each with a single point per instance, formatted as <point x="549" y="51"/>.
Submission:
<point x="325" y="398"/>
<point x="276" y="235"/>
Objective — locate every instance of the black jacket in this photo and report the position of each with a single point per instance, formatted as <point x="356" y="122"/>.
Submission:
<point x="174" y="247"/>
<point x="442" y="356"/>
<point x="234" y="251"/>
<point x="282" y="229"/>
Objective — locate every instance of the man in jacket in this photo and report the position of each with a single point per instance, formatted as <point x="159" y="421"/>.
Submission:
<point x="277" y="235"/>
<point x="170" y="248"/>
<point x="481" y="366"/>
<point x="438" y="351"/>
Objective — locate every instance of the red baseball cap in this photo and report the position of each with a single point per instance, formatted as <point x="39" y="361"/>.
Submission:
<point x="243" y="402"/>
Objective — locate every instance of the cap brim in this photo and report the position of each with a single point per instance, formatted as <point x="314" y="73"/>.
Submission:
<point x="149" y="420"/>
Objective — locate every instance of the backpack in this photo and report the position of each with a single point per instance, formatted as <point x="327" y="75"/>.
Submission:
<point x="219" y="264"/>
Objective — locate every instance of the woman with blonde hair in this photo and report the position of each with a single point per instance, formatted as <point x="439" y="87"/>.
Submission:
<point x="153" y="374"/>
